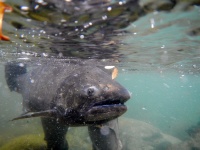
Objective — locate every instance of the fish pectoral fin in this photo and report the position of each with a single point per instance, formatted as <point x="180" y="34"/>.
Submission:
<point x="47" y="113"/>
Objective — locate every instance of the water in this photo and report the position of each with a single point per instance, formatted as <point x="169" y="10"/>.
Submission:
<point x="159" y="63"/>
<point x="167" y="100"/>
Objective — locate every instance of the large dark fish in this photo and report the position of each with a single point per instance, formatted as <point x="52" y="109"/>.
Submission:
<point x="70" y="93"/>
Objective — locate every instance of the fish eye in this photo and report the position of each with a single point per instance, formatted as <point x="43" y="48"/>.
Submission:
<point x="91" y="91"/>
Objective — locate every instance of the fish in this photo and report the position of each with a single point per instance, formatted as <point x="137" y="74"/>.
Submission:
<point x="3" y="8"/>
<point x="70" y="93"/>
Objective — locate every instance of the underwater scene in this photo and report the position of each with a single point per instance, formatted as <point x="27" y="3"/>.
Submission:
<point x="147" y="52"/>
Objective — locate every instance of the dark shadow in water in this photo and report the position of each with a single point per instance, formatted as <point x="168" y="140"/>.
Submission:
<point x="88" y="29"/>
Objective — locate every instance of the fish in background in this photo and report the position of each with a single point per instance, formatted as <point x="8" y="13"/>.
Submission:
<point x="3" y="8"/>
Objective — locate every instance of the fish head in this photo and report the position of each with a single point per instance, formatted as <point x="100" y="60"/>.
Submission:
<point x="89" y="96"/>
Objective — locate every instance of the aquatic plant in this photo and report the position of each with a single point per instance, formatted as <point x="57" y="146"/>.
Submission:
<point x="26" y="142"/>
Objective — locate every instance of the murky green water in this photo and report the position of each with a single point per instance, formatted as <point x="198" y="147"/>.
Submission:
<point x="159" y="63"/>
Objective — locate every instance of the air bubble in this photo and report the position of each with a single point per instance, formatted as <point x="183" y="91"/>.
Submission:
<point x="40" y="1"/>
<point x="86" y="25"/>
<point x="152" y="21"/>
<point x="82" y="36"/>
<point x="120" y="2"/>
<point x="104" y="17"/>
<point x="163" y="46"/>
<point x="45" y="54"/>
<point x="28" y="20"/>
<point x="109" y="8"/>
<point x="63" y="20"/>
<point x="21" y="64"/>
<point x="194" y="66"/>
<point x="32" y="81"/>
<point x="143" y="108"/>
<point x="36" y="7"/>
<point x="24" y="8"/>
<point x="22" y="36"/>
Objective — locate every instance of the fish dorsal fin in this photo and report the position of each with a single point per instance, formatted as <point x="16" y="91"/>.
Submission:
<point x="114" y="70"/>
<point x="46" y="113"/>
<point x="114" y="73"/>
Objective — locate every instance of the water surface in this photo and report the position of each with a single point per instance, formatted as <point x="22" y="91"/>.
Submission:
<point x="157" y="53"/>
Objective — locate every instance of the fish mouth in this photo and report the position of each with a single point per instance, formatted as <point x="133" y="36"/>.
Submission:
<point x="105" y="110"/>
<point x="108" y="103"/>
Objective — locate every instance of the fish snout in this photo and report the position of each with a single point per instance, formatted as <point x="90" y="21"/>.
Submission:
<point x="117" y="92"/>
<point x="124" y="95"/>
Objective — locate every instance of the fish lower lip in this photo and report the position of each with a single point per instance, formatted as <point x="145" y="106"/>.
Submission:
<point x="105" y="112"/>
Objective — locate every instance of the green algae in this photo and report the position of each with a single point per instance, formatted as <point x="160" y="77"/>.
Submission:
<point x="26" y="142"/>
<point x="77" y="138"/>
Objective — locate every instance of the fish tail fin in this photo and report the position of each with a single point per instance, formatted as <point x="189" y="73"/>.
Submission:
<point x="12" y="71"/>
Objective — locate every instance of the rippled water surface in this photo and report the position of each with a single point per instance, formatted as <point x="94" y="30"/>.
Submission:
<point x="156" y="46"/>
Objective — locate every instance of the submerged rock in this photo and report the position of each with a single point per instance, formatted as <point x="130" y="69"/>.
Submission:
<point x="193" y="142"/>
<point x="133" y="134"/>
<point x="141" y="135"/>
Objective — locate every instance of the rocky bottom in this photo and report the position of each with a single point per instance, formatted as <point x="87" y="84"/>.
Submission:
<point x="134" y="135"/>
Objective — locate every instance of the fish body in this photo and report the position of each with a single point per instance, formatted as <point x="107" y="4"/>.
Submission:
<point x="70" y="93"/>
